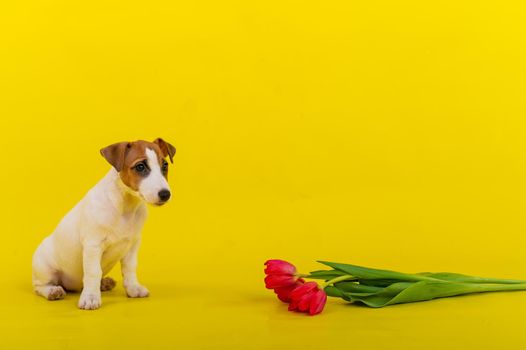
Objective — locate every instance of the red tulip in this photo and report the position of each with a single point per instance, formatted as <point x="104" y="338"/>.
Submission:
<point x="284" y="292"/>
<point x="283" y="278"/>
<point x="279" y="267"/>
<point x="308" y="298"/>
<point x="277" y="281"/>
<point x="280" y="274"/>
<point x="317" y="302"/>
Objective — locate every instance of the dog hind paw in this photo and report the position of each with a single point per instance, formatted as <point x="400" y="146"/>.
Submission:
<point x="56" y="293"/>
<point x="107" y="283"/>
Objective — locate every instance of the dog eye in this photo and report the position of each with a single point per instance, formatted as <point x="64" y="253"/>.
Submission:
<point x="140" y="168"/>
<point x="164" y="168"/>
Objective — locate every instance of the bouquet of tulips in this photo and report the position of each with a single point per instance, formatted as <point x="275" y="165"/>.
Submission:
<point x="371" y="287"/>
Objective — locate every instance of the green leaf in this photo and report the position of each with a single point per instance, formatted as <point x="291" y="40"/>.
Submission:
<point x="404" y="292"/>
<point x="456" y="277"/>
<point x="353" y="287"/>
<point x="379" y="288"/>
<point x="335" y="292"/>
<point x="377" y="282"/>
<point x="376" y="274"/>
<point x="325" y="274"/>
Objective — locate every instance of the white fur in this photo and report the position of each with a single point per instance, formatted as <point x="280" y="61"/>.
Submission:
<point x="149" y="187"/>
<point x="102" y="229"/>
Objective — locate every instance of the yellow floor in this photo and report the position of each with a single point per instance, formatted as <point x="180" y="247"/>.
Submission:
<point x="381" y="133"/>
<point x="208" y="292"/>
<point x="195" y="315"/>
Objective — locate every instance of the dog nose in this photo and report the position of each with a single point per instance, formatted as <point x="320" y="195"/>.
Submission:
<point x="164" y="195"/>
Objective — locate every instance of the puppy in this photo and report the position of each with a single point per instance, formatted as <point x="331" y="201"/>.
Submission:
<point x="105" y="227"/>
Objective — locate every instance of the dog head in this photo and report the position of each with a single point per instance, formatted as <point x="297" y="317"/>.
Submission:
<point x="142" y="167"/>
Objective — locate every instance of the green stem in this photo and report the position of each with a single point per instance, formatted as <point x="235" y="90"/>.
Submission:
<point x="336" y="280"/>
<point x="500" y="287"/>
<point x="493" y="280"/>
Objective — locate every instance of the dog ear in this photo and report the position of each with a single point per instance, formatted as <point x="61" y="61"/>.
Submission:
<point x="115" y="153"/>
<point x="166" y="148"/>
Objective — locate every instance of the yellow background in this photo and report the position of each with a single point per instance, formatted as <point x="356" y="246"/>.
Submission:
<point x="381" y="133"/>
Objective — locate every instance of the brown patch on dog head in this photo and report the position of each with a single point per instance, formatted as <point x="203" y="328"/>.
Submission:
<point x="125" y="156"/>
<point x="167" y="149"/>
<point x="114" y="154"/>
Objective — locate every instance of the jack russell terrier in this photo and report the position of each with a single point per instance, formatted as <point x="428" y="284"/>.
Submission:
<point x="105" y="227"/>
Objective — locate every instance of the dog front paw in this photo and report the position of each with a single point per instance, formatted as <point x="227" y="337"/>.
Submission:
<point x="137" y="291"/>
<point x="89" y="301"/>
